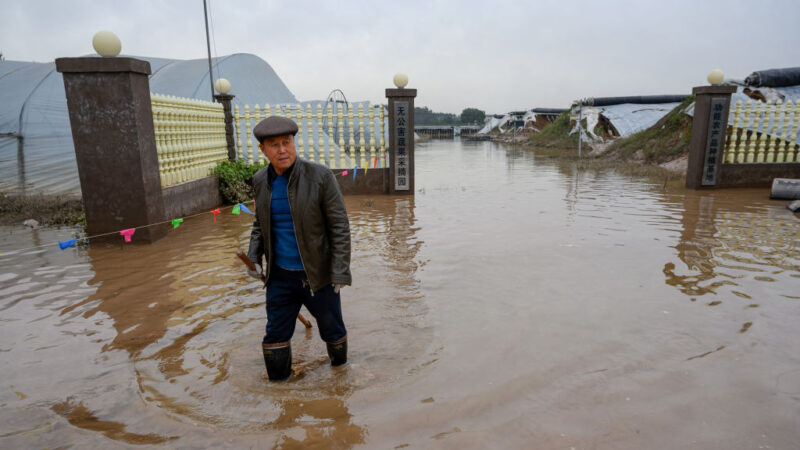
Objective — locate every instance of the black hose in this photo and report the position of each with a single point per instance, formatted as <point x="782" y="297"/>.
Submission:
<point x="789" y="76"/>
<point x="637" y="100"/>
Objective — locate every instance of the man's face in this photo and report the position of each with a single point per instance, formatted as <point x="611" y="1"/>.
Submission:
<point x="280" y="151"/>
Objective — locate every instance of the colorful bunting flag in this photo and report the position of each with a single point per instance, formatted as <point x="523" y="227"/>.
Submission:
<point x="344" y="174"/>
<point x="127" y="234"/>
<point x="355" y="172"/>
<point x="215" y="212"/>
<point x="176" y="223"/>
<point x="375" y="164"/>
<point x="67" y="244"/>
<point x="236" y="210"/>
<point x="244" y="208"/>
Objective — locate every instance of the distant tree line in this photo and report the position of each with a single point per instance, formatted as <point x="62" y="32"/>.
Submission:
<point x="469" y="116"/>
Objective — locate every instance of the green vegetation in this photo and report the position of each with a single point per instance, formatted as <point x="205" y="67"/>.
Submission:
<point x="469" y="116"/>
<point x="472" y="116"/>
<point x="556" y="135"/>
<point x="424" y="116"/>
<point x="666" y="140"/>
<point x="236" y="180"/>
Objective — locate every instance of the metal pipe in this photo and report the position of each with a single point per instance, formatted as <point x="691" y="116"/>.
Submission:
<point x="580" y="127"/>
<point x="208" y="45"/>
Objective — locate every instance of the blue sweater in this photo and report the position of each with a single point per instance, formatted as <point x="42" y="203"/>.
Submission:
<point x="287" y="255"/>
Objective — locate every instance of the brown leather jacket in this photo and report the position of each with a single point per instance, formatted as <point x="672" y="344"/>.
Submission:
<point x="320" y="223"/>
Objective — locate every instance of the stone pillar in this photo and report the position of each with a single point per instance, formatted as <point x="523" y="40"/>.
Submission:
<point x="707" y="147"/>
<point x="225" y="99"/>
<point x="112" y="128"/>
<point x="401" y="140"/>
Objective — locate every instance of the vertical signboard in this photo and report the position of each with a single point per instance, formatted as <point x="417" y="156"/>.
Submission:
<point x="401" y="162"/>
<point x="714" y="144"/>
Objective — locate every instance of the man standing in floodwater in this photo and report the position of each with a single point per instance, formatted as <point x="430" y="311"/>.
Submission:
<point x="302" y="228"/>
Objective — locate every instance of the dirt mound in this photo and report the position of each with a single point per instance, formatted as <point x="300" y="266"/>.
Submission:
<point x="45" y="209"/>
<point x="556" y="135"/>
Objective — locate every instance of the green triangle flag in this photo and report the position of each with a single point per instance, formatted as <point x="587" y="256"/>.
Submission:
<point x="236" y="210"/>
<point x="176" y="223"/>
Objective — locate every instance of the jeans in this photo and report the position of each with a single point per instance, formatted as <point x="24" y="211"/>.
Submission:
<point x="287" y="291"/>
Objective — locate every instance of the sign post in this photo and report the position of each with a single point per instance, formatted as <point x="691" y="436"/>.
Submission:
<point x="708" y="135"/>
<point x="401" y="139"/>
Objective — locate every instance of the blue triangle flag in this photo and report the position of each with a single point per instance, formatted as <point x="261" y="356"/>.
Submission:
<point x="67" y="244"/>
<point x="244" y="208"/>
<point x="355" y="171"/>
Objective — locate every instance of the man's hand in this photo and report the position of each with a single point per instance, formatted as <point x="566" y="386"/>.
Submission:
<point x="257" y="274"/>
<point x="337" y="287"/>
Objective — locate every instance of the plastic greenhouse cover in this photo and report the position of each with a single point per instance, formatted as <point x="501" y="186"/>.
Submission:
<point x="33" y="105"/>
<point x="626" y="118"/>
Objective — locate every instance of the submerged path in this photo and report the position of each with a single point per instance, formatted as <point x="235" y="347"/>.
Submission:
<point x="513" y="302"/>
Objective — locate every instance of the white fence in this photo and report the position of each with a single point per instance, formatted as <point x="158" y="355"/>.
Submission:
<point x="190" y="137"/>
<point x="346" y="136"/>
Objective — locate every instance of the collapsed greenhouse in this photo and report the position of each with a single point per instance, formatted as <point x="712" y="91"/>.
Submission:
<point x="612" y="117"/>
<point x="534" y="119"/>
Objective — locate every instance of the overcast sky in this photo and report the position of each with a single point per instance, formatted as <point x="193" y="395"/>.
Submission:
<point x="494" y="55"/>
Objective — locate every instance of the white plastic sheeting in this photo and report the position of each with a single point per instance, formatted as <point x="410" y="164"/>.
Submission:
<point x="779" y="93"/>
<point x="493" y="122"/>
<point x="503" y="124"/>
<point x="33" y="105"/>
<point x="626" y="118"/>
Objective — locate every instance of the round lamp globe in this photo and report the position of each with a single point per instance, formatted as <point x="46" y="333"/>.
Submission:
<point x="106" y="44"/>
<point x="222" y="85"/>
<point x="400" y="80"/>
<point x="715" y="77"/>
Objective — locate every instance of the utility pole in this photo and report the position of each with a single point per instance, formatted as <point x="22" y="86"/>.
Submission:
<point x="580" y="127"/>
<point x="208" y="45"/>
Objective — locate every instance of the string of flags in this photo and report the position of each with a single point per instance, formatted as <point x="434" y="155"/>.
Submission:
<point x="355" y="169"/>
<point x="127" y="234"/>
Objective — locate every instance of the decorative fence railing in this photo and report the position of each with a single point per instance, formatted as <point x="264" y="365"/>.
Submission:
<point x="344" y="137"/>
<point x="763" y="133"/>
<point x="190" y="137"/>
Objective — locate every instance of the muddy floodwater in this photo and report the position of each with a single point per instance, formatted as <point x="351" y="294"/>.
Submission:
<point x="514" y="302"/>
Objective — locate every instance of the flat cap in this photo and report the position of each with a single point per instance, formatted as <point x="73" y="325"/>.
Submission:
<point x="274" y="126"/>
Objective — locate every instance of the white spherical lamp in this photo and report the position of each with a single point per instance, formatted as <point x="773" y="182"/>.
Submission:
<point x="222" y="85"/>
<point x="400" y="80"/>
<point x="715" y="77"/>
<point x="106" y="44"/>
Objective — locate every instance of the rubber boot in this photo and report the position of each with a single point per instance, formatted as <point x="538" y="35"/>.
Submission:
<point x="278" y="359"/>
<point x="337" y="351"/>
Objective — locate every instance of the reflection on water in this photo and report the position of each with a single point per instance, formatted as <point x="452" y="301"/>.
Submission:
<point x="514" y="300"/>
<point x="80" y="416"/>
<point x="726" y="240"/>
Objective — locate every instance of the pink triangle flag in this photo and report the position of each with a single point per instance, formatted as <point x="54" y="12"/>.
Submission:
<point x="128" y="233"/>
